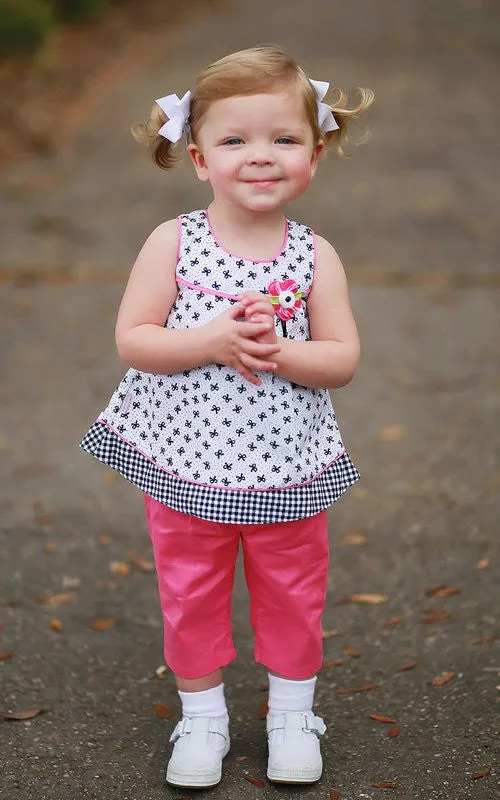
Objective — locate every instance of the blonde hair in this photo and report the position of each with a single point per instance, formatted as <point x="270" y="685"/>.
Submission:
<point x="259" y="69"/>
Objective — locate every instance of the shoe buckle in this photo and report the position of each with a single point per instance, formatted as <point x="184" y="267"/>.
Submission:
<point x="181" y="729"/>
<point x="317" y="727"/>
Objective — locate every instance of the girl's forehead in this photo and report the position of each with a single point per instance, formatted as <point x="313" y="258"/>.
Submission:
<point x="271" y="108"/>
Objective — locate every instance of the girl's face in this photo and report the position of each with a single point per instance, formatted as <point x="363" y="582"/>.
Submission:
<point x="257" y="151"/>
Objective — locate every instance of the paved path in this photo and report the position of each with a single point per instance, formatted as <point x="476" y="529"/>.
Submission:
<point x="414" y="215"/>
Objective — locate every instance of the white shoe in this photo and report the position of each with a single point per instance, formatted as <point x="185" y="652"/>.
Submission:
<point x="294" y="752"/>
<point x="200" y="744"/>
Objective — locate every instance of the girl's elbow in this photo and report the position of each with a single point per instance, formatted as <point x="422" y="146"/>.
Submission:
<point x="122" y="342"/>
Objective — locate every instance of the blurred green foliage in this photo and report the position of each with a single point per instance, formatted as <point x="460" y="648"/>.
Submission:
<point x="79" y="10"/>
<point x="24" y="24"/>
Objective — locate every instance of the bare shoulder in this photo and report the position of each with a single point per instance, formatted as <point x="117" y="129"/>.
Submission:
<point x="165" y="237"/>
<point x="328" y="304"/>
<point x="151" y="289"/>
<point x="327" y="260"/>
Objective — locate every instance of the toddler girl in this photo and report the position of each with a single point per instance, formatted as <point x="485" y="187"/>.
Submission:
<point x="235" y="323"/>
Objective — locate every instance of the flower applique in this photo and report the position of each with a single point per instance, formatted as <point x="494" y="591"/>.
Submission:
<point x="286" y="298"/>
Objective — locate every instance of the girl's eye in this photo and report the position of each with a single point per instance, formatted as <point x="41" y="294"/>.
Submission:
<point x="285" y="140"/>
<point x="234" y="140"/>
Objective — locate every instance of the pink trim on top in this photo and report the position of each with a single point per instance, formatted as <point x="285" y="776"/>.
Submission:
<point x="251" y="260"/>
<point x="208" y="485"/>
<point x="179" y="226"/>
<point x="206" y="290"/>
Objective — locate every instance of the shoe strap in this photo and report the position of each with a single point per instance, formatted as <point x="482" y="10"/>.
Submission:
<point x="306" y="721"/>
<point x="189" y="725"/>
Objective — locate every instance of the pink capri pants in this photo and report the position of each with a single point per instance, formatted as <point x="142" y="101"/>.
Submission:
<point x="286" y="566"/>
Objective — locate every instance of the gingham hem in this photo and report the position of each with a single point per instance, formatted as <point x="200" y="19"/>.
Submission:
<point x="215" y="504"/>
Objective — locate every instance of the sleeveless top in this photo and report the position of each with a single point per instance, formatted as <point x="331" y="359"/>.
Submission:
<point x="207" y="442"/>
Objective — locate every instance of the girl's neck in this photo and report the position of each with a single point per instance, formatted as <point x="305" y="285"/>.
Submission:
<point x="256" y="236"/>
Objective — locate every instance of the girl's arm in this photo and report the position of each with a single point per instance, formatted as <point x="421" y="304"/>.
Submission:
<point x="329" y="360"/>
<point x="145" y="344"/>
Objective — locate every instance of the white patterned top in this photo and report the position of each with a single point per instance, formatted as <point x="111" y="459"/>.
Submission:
<point x="206" y="441"/>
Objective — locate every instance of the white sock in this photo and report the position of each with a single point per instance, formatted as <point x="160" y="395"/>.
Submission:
<point x="286" y="695"/>
<point x="208" y="703"/>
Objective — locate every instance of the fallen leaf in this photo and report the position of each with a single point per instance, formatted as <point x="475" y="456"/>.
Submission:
<point x="353" y="652"/>
<point x="443" y="591"/>
<point x="385" y="785"/>
<point x="483" y="564"/>
<point x="391" y="433"/>
<point x="5" y="656"/>
<point x="119" y="568"/>
<point x="372" y="599"/>
<point x="482" y="773"/>
<point x="357" y="539"/>
<point x="102" y="624"/>
<point x="142" y="564"/>
<point x="162" y="711"/>
<point x="110" y="476"/>
<point x="255" y="781"/>
<point x="437" y="615"/>
<point x="381" y="718"/>
<point x="104" y="540"/>
<point x="50" y="547"/>
<point x="484" y="639"/>
<point x="44" y="518"/>
<point x="20" y="715"/>
<point x="334" y="794"/>
<point x="392" y="622"/>
<point x="263" y="710"/>
<point x="443" y="678"/>
<point x="367" y="687"/>
<point x="329" y="634"/>
<point x="337" y="663"/>
<point x="56" y="599"/>
<point x="393" y="732"/>
<point x="241" y="758"/>
<point x="160" y="671"/>
<point x="56" y="625"/>
<point x="409" y="665"/>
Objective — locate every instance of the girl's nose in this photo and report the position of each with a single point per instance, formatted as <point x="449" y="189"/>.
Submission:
<point x="260" y="155"/>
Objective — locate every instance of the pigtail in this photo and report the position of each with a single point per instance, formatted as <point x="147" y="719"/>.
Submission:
<point x="344" y="118"/>
<point x="162" y="150"/>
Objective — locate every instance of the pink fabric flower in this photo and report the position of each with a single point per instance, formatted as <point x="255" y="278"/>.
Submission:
<point x="285" y="297"/>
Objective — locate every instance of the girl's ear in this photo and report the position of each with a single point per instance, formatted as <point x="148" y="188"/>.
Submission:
<point x="316" y="155"/>
<point x="199" y="162"/>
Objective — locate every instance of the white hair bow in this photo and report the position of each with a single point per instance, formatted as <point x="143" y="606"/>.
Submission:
<point x="326" y="120"/>
<point x="177" y="112"/>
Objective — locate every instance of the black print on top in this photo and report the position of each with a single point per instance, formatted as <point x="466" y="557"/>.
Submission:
<point x="207" y="430"/>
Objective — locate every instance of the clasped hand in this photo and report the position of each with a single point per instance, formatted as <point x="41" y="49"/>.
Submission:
<point x="244" y="337"/>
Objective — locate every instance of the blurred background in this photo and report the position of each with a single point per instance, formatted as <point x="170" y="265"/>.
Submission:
<point x="413" y="214"/>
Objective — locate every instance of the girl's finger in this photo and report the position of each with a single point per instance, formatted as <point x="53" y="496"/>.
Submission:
<point x="256" y="364"/>
<point x="259" y="350"/>
<point x="249" y="376"/>
<point x="264" y="307"/>
<point x="252" y="329"/>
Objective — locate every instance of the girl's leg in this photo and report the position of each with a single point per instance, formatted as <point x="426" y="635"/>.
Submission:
<point x="286" y="567"/>
<point x="195" y="561"/>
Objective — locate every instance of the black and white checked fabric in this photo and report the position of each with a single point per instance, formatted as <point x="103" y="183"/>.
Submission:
<point x="209" y="443"/>
<point x="216" y="504"/>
